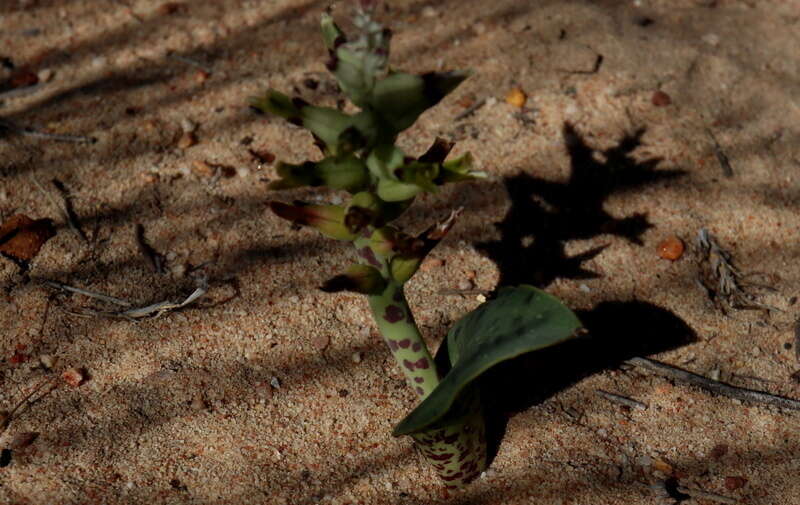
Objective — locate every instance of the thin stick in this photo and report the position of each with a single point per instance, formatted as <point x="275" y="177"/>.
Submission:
<point x="696" y="493"/>
<point x="69" y="213"/>
<point x="716" y="387"/>
<point x="91" y="294"/>
<point x="727" y="169"/>
<point x="189" y="61"/>
<point x="154" y="259"/>
<point x="22" y="91"/>
<point x="622" y="400"/>
<point x="66" y="210"/>
<point x="30" y="132"/>
<point x="155" y="310"/>
<point x="470" y="110"/>
<point x="7" y="417"/>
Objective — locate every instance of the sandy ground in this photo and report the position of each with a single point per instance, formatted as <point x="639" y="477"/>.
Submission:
<point x="267" y="390"/>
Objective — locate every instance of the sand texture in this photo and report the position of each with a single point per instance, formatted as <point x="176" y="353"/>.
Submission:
<point x="642" y="120"/>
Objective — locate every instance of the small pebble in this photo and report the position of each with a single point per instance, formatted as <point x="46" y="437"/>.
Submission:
<point x="202" y="168"/>
<point x="201" y="76"/>
<point x="662" y="466"/>
<point x="275" y="382"/>
<point x="671" y="248"/>
<point x="431" y="263"/>
<point x="480" y="298"/>
<point x="585" y="288"/>
<point x="711" y="39"/>
<point x="178" y="269"/>
<point x="660" y="99"/>
<point x="74" y="377"/>
<point x="48" y="361"/>
<point x="187" y="140"/>
<point x="465" y="285"/>
<point x="356" y="357"/>
<point x="429" y="12"/>
<point x="516" y="97"/>
<point x="734" y="483"/>
<point x="45" y="75"/>
<point x="187" y="125"/>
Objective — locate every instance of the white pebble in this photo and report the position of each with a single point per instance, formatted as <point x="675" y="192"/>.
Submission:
<point x="429" y="12"/>
<point x="585" y="288"/>
<point x="465" y="284"/>
<point x="275" y="382"/>
<point x="712" y="39"/>
<point x="187" y="125"/>
<point x="45" y="75"/>
<point x="480" y="298"/>
<point x="356" y="357"/>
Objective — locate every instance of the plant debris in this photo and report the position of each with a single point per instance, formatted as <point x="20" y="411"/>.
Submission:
<point x="722" y="158"/>
<point x="155" y="260"/>
<point x="722" y="281"/>
<point x="21" y="237"/>
<point x="27" y="131"/>
<point x="716" y="387"/>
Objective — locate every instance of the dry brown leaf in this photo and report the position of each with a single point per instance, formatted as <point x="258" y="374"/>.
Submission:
<point x="21" y="237"/>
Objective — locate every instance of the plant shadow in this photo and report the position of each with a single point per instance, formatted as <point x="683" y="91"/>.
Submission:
<point x="545" y="214"/>
<point x="616" y="331"/>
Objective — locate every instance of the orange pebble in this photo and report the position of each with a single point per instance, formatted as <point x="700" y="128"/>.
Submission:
<point x="516" y="97"/>
<point x="671" y="248"/>
<point x="661" y="99"/>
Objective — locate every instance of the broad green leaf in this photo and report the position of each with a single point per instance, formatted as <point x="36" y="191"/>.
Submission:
<point x="521" y="319"/>
<point x="325" y="123"/>
<point x="401" y="98"/>
<point x="330" y="31"/>
<point x="338" y="172"/>
<point x="384" y="160"/>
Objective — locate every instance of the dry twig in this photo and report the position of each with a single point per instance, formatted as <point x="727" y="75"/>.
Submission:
<point x="30" y="132"/>
<point x="727" y="169"/>
<point x="723" y="281"/>
<point x="622" y="400"/>
<point x="716" y="387"/>
<point x="155" y="260"/>
<point x="470" y="110"/>
<point x="90" y="294"/>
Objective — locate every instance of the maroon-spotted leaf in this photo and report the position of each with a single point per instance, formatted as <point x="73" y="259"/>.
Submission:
<point x="327" y="219"/>
<point x="521" y="319"/>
